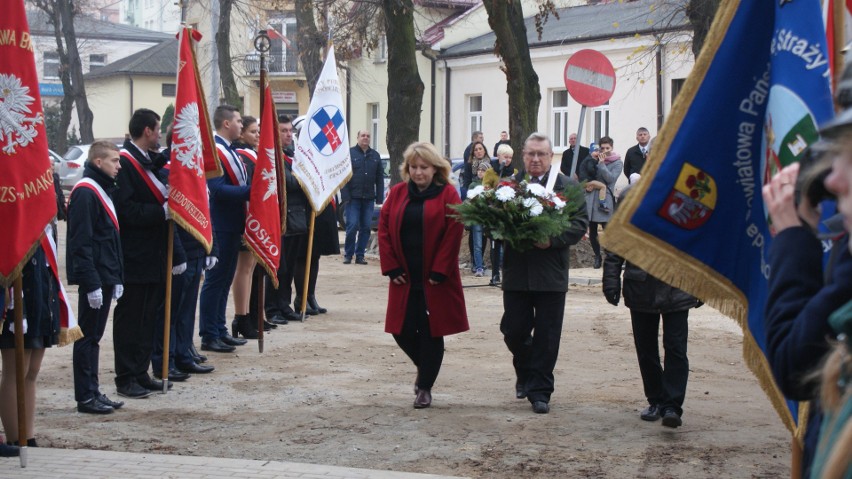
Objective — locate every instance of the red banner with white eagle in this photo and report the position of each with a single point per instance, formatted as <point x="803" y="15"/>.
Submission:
<point x="263" y="221"/>
<point x="27" y="196"/>
<point x="192" y="149"/>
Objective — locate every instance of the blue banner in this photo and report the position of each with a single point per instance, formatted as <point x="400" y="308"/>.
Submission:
<point x="751" y="106"/>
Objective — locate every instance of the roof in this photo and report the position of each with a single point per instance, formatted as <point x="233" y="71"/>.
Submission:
<point x="463" y="4"/>
<point x="90" y="27"/>
<point x="159" y="60"/>
<point x="435" y="33"/>
<point x="589" y="22"/>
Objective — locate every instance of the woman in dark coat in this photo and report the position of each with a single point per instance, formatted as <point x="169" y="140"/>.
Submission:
<point x="649" y="299"/>
<point x="419" y="251"/>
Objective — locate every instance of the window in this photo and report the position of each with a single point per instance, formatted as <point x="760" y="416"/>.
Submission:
<point x="51" y="65"/>
<point x="600" y="119"/>
<point x="283" y="53"/>
<point x="169" y="89"/>
<point x="474" y="114"/>
<point x="96" y="61"/>
<point x="374" y="125"/>
<point x="559" y="107"/>
<point x="677" y="86"/>
<point x="381" y="53"/>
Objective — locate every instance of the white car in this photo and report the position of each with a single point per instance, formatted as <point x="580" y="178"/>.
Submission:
<point x="71" y="167"/>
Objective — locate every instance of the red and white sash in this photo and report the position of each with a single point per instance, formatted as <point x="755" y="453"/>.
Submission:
<point x="233" y="166"/>
<point x="102" y="195"/>
<point x="248" y="153"/>
<point x="67" y="320"/>
<point x="158" y="189"/>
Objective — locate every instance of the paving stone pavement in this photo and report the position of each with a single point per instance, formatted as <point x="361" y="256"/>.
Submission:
<point x="44" y="462"/>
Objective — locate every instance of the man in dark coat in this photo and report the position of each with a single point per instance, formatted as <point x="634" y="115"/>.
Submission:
<point x="649" y="299"/>
<point x="568" y="156"/>
<point x="94" y="261"/>
<point x="364" y="189"/>
<point x="228" y="196"/>
<point x="534" y="286"/>
<point x="140" y="201"/>
<point x="636" y="155"/>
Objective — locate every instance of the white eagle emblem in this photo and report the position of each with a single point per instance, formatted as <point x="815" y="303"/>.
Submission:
<point x="187" y="135"/>
<point x="269" y="175"/>
<point x="16" y="128"/>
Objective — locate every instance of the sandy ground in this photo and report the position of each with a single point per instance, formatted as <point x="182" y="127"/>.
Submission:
<point x="336" y="390"/>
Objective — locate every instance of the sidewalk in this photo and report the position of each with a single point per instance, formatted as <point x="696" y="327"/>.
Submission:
<point x="90" y="464"/>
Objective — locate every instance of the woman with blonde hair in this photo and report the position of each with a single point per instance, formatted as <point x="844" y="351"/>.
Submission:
<point x="419" y="251"/>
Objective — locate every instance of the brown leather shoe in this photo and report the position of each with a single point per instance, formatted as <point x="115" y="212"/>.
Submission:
<point x="423" y="399"/>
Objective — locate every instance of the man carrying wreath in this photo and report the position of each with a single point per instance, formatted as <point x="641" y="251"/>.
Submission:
<point x="535" y="281"/>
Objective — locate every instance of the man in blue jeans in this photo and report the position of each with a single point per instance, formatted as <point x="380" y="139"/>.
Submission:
<point x="366" y="187"/>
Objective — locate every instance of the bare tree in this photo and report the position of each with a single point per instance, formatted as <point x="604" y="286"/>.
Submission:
<point x="223" y="45"/>
<point x="701" y="14"/>
<point x="61" y="14"/>
<point x="405" y="88"/>
<point x="311" y="42"/>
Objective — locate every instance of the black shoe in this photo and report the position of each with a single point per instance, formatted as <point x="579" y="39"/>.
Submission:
<point x="598" y="262"/>
<point x="217" y="346"/>
<point x="232" y="341"/>
<point x="194" y="368"/>
<point x="361" y="260"/>
<point x="174" y="375"/>
<point x="312" y="303"/>
<point x="292" y="316"/>
<point x="109" y="402"/>
<point x="278" y="319"/>
<point x="671" y="418"/>
<point x="133" y="391"/>
<point x="423" y="399"/>
<point x="650" y="413"/>
<point x="540" y="407"/>
<point x="308" y="311"/>
<point x="199" y="358"/>
<point x="241" y="326"/>
<point x="520" y="390"/>
<point x="93" y="406"/>
<point x="268" y="326"/>
<point x="7" y="450"/>
<point x="154" y="384"/>
<point x="495" y="280"/>
<point x="347" y="260"/>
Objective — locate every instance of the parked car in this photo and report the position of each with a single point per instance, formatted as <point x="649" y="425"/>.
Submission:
<point x="71" y="168"/>
<point x="55" y="159"/>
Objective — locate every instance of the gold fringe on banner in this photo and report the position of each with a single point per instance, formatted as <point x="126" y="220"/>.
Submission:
<point x="68" y="336"/>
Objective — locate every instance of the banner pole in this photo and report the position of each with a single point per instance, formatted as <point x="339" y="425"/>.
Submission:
<point x="19" y="368"/>
<point x="164" y="371"/>
<point x="304" y="303"/>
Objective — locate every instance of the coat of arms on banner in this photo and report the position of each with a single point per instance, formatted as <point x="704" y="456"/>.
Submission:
<point x="323" y="130"/>
<point x="691" y="202"/>
<point x="16" y="128"/>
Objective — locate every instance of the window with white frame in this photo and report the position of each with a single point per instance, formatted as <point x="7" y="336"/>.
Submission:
<point x="283" y="53"/>
<point x="559" y="116"/>
<point x="97" y="60"/>
<point x="381" y="53"/>
<point x="474" y="114"/>
<point x="374" y="125"/>
<point x="51" y="65"/>
<point x="600" y="121"/>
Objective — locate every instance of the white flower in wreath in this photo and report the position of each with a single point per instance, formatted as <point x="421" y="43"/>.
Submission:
<point x="475" y="191"/>
<point x="558" y="202"/>
<point x="534" y="206"/>
<point x="505" y="193"/>
<point x="537" y="189"/>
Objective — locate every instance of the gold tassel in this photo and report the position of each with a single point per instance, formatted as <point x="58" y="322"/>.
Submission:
<point x="68" y="336"/>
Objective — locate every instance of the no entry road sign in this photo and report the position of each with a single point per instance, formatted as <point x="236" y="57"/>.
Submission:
<point x="589" y="78"/>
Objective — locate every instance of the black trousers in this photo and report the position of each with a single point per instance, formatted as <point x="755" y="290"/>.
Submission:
<point x="593" y="237"/>
<point x="425" y="351"/>
<point x="299" y="278"/>
<point x="663" y="387"/>
<point x="137" y="311"/>
<point x="277" y="301"/>
<point x="87" y="349"/>
<point x="532" y="329"/>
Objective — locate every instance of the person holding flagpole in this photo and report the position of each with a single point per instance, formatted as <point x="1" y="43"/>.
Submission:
<point x="94" y="262"/>
<point x="228" y="196"/>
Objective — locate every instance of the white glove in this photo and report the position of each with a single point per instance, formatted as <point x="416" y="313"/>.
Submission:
<point x="166" y="210"/>
<point x="96" y="299"/>
<point x="12" y="326"/>
<point x="210" y="262"/>
<point x="118" y="291"/>
<point x="179" y="269"/>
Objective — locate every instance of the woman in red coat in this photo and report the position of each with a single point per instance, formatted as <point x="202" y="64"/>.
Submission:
<point x="419" y="251"/>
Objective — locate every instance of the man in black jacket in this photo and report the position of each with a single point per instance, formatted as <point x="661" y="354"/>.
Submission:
<point x="366" y="187"/>
<point x="568" y="156"/>
<point x="636" y="155"/>
<point x="143" y="215"/>
<point x="534" y="286"/>
<point x="94" y="261"/>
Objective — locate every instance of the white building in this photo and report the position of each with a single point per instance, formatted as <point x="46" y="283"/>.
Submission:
<point x="157" y="15"/>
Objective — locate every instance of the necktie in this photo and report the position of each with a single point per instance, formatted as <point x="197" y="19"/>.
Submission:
<point x="535" y="180"/>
